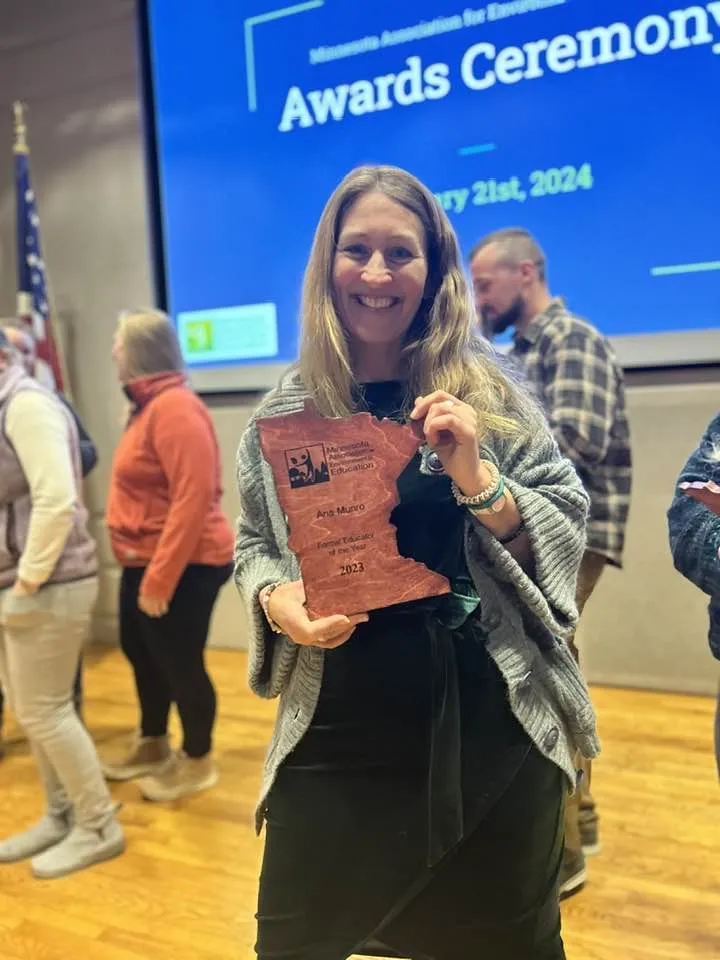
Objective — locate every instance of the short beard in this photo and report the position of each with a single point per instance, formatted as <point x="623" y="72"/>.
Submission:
<point x="509" y="318"/>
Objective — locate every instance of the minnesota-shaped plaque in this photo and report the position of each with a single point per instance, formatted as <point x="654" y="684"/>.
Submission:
<point x="336" y="481"/>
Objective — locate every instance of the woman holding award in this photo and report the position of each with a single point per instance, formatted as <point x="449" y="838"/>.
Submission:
<point x="413" y="793"/>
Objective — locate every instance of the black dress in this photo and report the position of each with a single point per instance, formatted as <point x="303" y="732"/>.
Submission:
<point x="415" y="809"/>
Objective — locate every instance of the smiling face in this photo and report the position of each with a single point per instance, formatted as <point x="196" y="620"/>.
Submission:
<point x="380" y="270"/>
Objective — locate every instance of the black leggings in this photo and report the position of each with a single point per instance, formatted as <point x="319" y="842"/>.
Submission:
<point x="167" y="654"/>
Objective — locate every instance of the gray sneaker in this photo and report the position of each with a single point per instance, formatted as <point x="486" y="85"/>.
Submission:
<point x="80" y="849"/>
<point x="46" y="833"/>
<point x="573" y="873"/>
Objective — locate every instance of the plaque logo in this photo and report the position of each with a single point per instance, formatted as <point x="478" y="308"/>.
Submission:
<point x="307" y="466"/>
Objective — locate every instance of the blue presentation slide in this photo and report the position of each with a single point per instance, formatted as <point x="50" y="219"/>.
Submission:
<point x="596" y="125"/>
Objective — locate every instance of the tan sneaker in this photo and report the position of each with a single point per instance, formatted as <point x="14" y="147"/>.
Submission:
<point x="573" y="873"/>
<point x="147" y="756"/>
<point x="589" y="834"/>
<point x="183" y="777"/>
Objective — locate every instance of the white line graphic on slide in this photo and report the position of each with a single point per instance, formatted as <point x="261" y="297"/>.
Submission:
<point x="253" y="22"/>
<point x="678" y="268"/>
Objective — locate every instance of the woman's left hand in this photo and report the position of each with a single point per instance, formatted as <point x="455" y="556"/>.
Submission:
<point x="152" y="606"/>
<point x="450" y="427"/>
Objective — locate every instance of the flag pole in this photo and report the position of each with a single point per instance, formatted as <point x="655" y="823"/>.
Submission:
<point x="24" y="298"/>
<point x="20" y="146"/>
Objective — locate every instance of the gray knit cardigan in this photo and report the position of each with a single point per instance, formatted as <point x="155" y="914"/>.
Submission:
<point x="524" y="619"/>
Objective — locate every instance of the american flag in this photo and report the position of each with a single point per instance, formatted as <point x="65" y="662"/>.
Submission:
<point x="32" y="297"/>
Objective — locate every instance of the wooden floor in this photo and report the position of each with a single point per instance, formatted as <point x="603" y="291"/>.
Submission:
<point x="186" y="887"/>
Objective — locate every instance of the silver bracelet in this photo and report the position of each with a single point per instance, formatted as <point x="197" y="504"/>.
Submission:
<point x="264" y="599"/>
<point x="489" y="494"/>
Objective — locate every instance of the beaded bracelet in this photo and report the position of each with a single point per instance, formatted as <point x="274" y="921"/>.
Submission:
<point x="513" y="535"/>
<point x="490" y="495"/>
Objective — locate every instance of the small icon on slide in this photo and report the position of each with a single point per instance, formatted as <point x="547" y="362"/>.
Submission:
<point x="199" y="336"/>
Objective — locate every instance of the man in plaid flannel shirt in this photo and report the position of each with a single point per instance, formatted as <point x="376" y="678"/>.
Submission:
<point x="576" y="377"/>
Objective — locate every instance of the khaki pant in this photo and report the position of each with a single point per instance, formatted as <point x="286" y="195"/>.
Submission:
<point x="581" y="806"/>
<point x="41" y="637"/>
<point x="717" y="733"/>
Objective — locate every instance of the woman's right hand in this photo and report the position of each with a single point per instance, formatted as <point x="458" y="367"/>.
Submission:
<point x="706" y="492"/>
<point x="286" y="607"/>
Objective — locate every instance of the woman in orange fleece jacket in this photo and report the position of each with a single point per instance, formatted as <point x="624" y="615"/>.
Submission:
<point x="170" y="536"/>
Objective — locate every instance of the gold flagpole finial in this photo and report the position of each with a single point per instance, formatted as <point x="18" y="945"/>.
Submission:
<point x="20" y="145"/>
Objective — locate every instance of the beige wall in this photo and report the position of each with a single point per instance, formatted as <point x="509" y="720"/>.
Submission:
<point x="74" y="62"/>
<point x="646" y="626"/>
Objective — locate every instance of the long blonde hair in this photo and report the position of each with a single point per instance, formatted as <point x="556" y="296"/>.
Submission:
<point x="150" y="343"/>
<point x="444" y="348"/>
